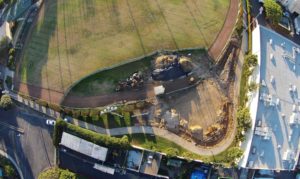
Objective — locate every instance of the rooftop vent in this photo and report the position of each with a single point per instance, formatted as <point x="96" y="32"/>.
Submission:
<point x="271" y="56"/>
<point x="271" y="41"/>
<point x="272" y="79"/>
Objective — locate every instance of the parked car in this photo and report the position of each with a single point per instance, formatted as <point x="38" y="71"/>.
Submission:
<point x="67" y="118"/>
<point x="50" y="122"/>
<point x="253" y="150"/>
<point x="259" y="122"/>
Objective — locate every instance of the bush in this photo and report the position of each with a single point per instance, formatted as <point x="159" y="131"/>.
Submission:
<point x="42" y="102"/>
<point x="100" y="139"/>
<point x="5" y="101"/>
<point x="57" y="173"/>
<point x="59" y="127"/>
<point x="55" y="107"/>
<point x="244" y="123"/>
<point x="172" y="152"/>
<point x="76" y="114"/>
<point x="11" y="52"/>
<point x="11" y="62"/>
<point x="9" y="170"/>
<point x="252" y="86"/>
<point x="1" y="4"/>
<point x="233" y="153"/>
<point x="273" y="11"/>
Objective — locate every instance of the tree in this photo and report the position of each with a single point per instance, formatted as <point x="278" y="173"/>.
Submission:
<point x="5" y="101"/>
<point x="57" y="173"/>
<point x="243" y="118"/>
<point x="233" y="153"/>
<point x="66" y="174"/>
<point x="273" y="11"/>
<point x="9" y="171"/>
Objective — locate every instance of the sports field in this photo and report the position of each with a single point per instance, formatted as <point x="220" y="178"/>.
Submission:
<point x="73" y="38"/>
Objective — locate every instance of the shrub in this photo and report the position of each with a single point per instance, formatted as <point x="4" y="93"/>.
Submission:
<point x="233" y="153"/>
<point x="11" y="62"/>
<point x="85" y="113"/>
<point x="42" y="102"/>
<point x="59" y="127"/>
<point x="9" y="170"/>
<point x="11" y="52"/>
<point x="76" y="113"/>
<point x="1" y="4"/>
<point x="172" y="152"/>
<point x="6" y="101"/>
<point x="57" y="173"/>
<point x="55" y="107"/>
<point x="252" y="86"/>
<point x="100" y="139"/>
<point x="273" y="11"/>
<point x="68" y="111"/>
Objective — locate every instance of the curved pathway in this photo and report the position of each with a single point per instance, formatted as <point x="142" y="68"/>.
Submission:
<point x="156" y="131"/>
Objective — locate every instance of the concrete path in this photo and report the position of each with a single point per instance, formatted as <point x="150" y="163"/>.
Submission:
<point x="190" y="146"/>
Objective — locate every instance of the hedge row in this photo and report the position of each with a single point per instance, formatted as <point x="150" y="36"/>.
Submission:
<point x="99" y="139"/>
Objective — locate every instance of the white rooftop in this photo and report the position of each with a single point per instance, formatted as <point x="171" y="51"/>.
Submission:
<point x="276" y="139"/>
<point x="83" y="146"/>
<point x="5" y="31"/>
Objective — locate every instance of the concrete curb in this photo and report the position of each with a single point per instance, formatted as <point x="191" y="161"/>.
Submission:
<point x="13" y="162"/>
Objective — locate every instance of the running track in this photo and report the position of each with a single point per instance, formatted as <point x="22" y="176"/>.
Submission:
<point x="214" y="51"/>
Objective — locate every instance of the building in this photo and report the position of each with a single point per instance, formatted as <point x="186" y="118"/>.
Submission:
<point x="292" y="5"/>
<point x="84" y="147"/>
<point x="273" y="141"/>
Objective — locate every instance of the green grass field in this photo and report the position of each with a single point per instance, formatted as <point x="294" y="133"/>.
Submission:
<point x="73" y="38"/>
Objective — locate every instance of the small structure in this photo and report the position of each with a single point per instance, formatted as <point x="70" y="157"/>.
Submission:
<point x="197" y="132"/>
<point x="174" y="163"/>
<point x="5" y="32"/>
<point x="104" y="169"/>
<point x="84" y="147"/>
<point x="134" y="160"/>
<point x="172" y="120"/>
<point x="159" y="90"/>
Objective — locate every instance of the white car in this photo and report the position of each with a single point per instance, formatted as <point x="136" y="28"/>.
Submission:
<point x="50" y="122"/>
<point x="297" y="25"/>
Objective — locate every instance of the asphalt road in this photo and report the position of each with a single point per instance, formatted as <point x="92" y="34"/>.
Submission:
<point x="32" y="150"/>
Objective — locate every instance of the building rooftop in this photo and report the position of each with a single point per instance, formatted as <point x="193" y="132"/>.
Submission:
<point x="275" y="134"/>
<point x="82" y="146"/>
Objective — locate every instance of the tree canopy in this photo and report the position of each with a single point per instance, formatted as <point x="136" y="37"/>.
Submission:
<point x="5" y="101"/>
<point x="57" y="173"/>
<point x="273" y="11"/>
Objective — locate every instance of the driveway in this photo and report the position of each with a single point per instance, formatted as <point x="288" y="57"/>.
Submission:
<point x="33" y="150"/>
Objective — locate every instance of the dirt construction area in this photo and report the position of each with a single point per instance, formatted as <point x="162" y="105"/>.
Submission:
<point x="201" y="105"/>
